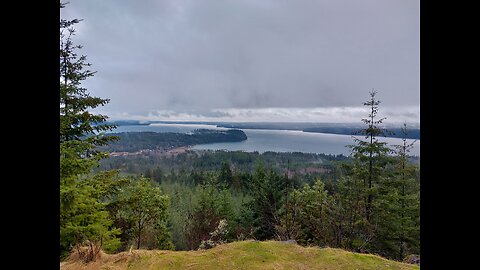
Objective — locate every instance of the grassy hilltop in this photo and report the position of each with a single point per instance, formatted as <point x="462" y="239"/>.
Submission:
<point x="241" y="255"/>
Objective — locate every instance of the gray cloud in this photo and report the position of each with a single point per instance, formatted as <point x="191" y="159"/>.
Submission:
<point x="394" y="115"/>
<point x="193" y="56"/>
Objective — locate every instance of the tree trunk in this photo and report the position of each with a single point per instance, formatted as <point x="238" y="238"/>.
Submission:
<point x="402" y="233"/>
<point x="139" y="234"/>
<point x="370" y="172"/>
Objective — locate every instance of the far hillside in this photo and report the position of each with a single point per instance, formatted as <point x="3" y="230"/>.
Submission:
<point x="135" y="141"/>
<point x="393" y="131"/>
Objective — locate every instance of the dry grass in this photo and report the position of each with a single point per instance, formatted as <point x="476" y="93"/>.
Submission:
<point x="240" y="255"/>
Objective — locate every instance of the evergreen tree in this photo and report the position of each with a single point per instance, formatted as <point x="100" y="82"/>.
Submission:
<point x="370" y="154"/>
<point x="157" y="175"/>
<point x="354" y="231"/>
<point x="78" y="126"/>
<point x="266" y="189"/>
<point x="86" y="221"/>
<point x="397" y="206"/>
<point x="288" y="227"/>
<point x="83" y="217"/>
<point x="408" y="198"/>
<point x="225" y="176"/>
<point x="163" y="239"/>
<point x="226" y="211"/>
<point x="204" y="217"/>
<point x="214" y="204"/>
<point x="75" y="119"/>
<point x="363" y="180"/>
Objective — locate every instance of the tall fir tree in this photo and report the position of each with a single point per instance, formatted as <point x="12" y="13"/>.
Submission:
<point x="362" y="180"/>
<point x="80" y="129"/>
<point x="83" y="217"/>
<point x="408" y="184"/>
<point x="370" y="153"/>
<point x="397" y="205"/>
<point x="75" y="102"/>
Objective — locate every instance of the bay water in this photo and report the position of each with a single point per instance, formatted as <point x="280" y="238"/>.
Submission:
<point x="262" y="140"/>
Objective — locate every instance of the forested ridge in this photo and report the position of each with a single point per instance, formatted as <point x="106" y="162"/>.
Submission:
<point x="367" y="202"/>
<point x="394" y="132"/>
<point x="135" y="141"/>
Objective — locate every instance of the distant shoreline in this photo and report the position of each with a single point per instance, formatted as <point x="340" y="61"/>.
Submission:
<point x="160" y="152"/>
<point x="140" y="141"/>
<point x="326" y="128"/>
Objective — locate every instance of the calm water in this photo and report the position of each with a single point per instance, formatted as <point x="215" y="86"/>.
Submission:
<point x="262" y="140"/>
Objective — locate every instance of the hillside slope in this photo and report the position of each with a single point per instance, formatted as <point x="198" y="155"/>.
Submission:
<point x="241" y="255"/>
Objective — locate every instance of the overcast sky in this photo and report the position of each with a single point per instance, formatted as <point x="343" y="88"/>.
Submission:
<point x="251" y="60"/>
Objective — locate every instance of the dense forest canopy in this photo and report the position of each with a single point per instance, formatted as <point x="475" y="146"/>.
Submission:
<point x="270" y="196"/>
